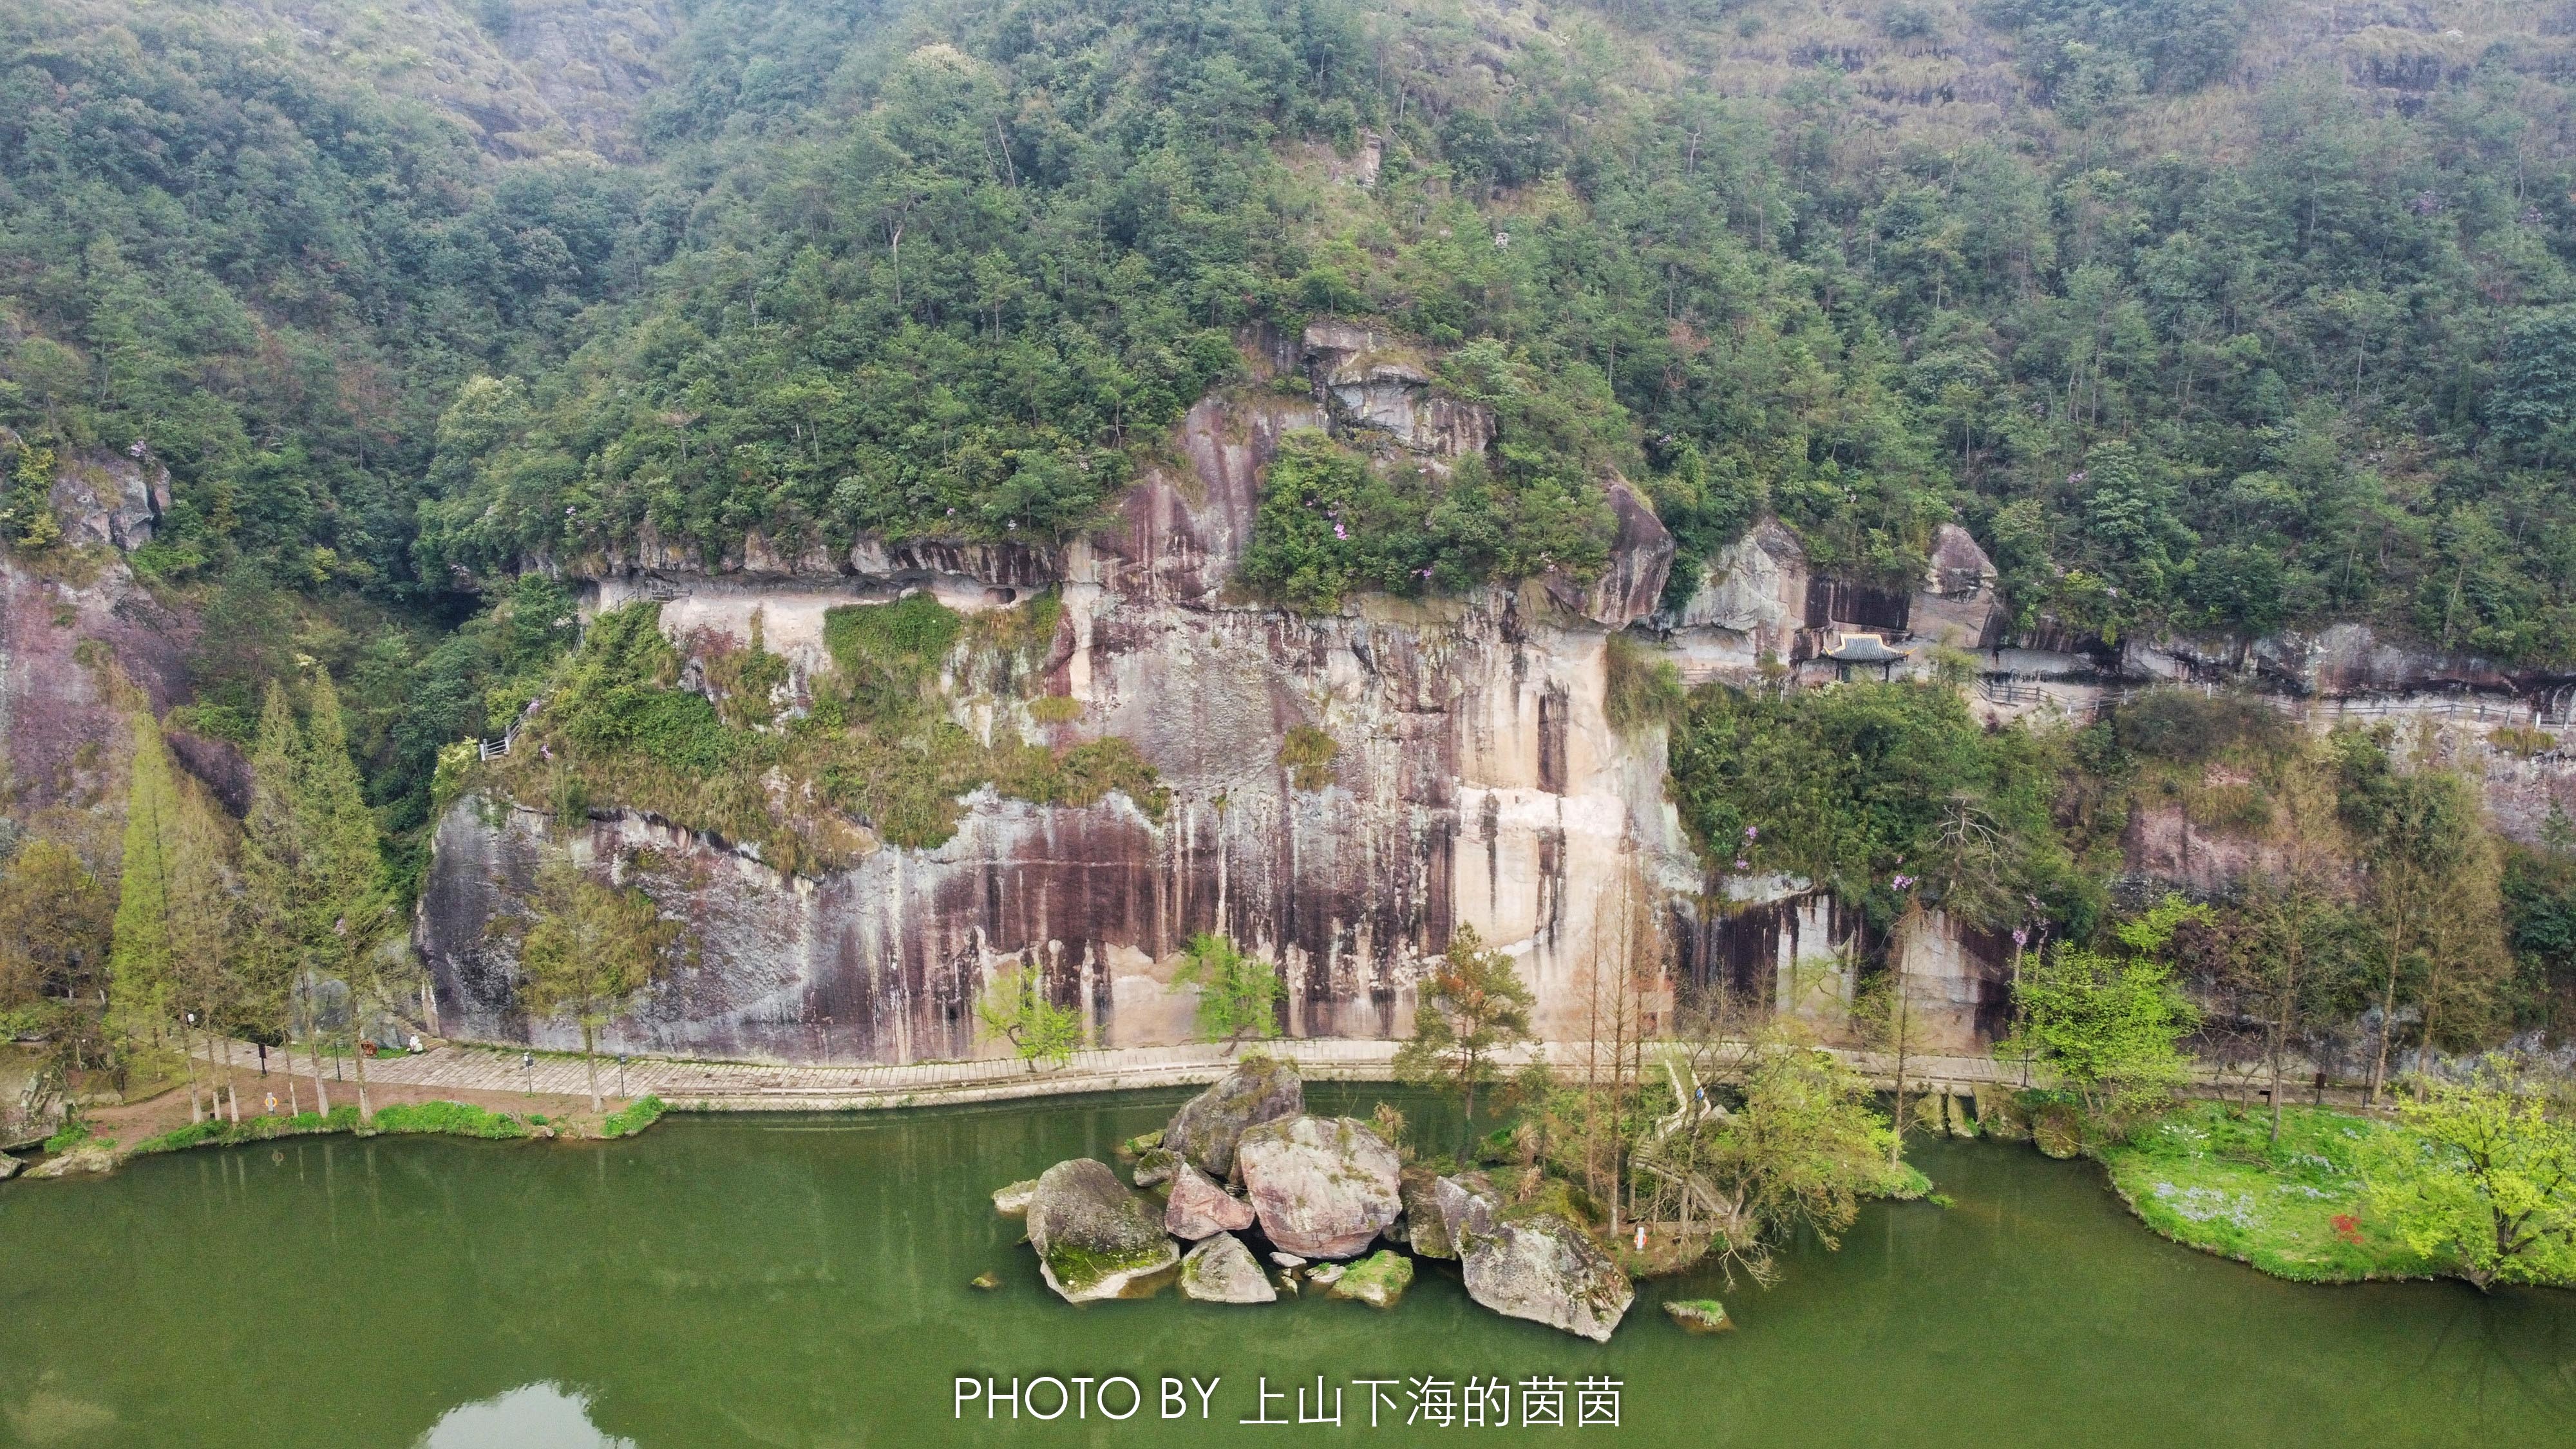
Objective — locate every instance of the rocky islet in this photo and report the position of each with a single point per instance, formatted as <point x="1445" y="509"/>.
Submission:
<point x="1321" y="1193"/>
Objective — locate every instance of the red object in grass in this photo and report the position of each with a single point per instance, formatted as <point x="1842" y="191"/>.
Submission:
<point x="2347" y="1227"/>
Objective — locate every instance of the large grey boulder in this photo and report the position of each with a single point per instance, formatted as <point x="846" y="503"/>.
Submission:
<point x="1096" y="1237"/>
<point x="1258" y="1090"/>
<point x="1199" y="1208"/>
<point x="1323" y="1187"/>
<point x="1221" y="1270"/>
<point x="1542" y="1267"/>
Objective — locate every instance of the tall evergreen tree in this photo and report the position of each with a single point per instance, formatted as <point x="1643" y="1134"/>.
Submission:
<point x="171" y="956"/>
<point x="203" y="917"/>
<point x="139" y="953"/>
<point x="341" y="864"/>
<point x="278" y="949"/>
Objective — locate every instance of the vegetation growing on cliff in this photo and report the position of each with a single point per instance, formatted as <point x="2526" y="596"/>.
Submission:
<point x="2367" y="878"/>
<point x="1239" y="994"/>
<point x="2186" y="341"/>
<point x="1885" y="793"/>
<point x="866" y="753"/>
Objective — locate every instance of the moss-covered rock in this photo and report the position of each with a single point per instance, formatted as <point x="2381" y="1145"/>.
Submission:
<point x="1699" y="1315"/>
<point x="1155" y="1166"/>
<point x="1013" y="1201"/>
<point x="2058" y="1128"/>
<point x="2000" y="1114"/>
<point x="1095" y="1237"/>
<point x="1324" y="1187"/>
<point x="1378" y="1280"/>
<point x="1424" y="1230"/>
<point x="1543" y="1267"/>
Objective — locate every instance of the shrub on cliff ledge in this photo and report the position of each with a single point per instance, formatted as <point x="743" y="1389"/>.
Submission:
<point x="877" y="748"/>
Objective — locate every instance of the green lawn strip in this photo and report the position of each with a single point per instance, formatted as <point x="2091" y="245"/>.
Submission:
<point x="452" y="1119"/>
<point x="634" y="1117"/>
<point x="2209" y="1177"/>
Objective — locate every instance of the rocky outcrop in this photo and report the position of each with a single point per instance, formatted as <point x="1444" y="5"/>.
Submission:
<point x="1374" y="383"/>
<point x="1013" y="1201"/>
<point x="1749" y="605"/>
<point x="1205" y="1130"/>
<point x="1958" y="604"/>
<point x="111" y="499"/>
<point x="1322" y="1187"/>
<point x="1199" y="1208"/>
<point x="1540" y="1267"/>
<point x="66" y="735"/>
<point x="1378" y="1280"/>
<point x="1095" y="1237"/>
<point x="9" y="1167"/>
<point x="1641" y="558"/>
<point x="1221" y="1270"/>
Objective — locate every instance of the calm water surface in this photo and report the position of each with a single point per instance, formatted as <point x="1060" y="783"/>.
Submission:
<point x="804" y="1281"/>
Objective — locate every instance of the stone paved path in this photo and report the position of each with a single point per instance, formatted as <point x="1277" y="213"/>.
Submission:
<point x="783" y="1086"/>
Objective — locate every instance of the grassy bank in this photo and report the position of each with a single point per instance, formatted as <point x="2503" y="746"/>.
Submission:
<point x="79" y="1152"/>
<point x="2209" y="1176"/>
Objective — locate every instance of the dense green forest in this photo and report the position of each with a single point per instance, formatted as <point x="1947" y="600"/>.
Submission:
<point x="2201" y="314"/>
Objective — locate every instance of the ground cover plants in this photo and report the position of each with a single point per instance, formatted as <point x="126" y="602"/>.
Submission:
<point x="2209" y="1175"/>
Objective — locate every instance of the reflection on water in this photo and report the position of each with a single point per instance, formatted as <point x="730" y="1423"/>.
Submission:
<point x="49" y="1417"/>
<point x="804" y="1281"/>
<point x="532" y="1416"/>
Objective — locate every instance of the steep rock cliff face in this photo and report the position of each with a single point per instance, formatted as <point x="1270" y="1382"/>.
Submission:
<point x="1476" y="781"/>
<point x="63" y="627"/>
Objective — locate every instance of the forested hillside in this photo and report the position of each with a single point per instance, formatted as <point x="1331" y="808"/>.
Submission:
<point x="2202" y="315"/>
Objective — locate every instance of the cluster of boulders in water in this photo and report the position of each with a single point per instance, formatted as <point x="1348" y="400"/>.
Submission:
<point x="1243" y="1163"/>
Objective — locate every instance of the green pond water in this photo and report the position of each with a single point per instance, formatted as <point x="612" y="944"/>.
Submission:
<point x="804" y="1281"/>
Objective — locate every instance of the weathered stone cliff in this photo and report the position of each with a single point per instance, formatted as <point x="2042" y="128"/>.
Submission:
<point x="1475" y="781"/>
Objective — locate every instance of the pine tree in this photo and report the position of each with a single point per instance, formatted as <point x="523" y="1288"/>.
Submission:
<point x="139" y="955"/>
<point x="173" y="942"/>
<point x="1473" y="1007"/>
<point x="279" y="915"/>
<point x="341" y="864"/>
<point x="203" y="917"/>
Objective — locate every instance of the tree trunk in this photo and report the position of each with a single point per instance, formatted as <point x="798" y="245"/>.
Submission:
<point x="2387" y="1024"/>
<point x="590" y="1059"/>
<point x="358" y="1061"/>
<point x="1904" y="1019"/>
<point x="313" y="1046"/>
<point x="1467" y="1114"/>
<point x="2277" y="1033"/>
<point x="188" y="1054"/>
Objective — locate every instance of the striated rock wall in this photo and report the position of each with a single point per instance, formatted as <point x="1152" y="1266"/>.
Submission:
<point x="1476" y="782"/>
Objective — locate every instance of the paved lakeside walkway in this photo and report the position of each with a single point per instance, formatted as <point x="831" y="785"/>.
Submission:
<point x="798" y="1087"/>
